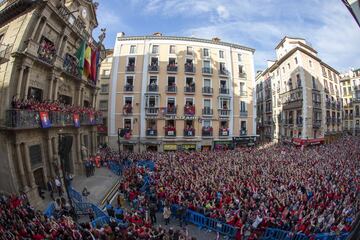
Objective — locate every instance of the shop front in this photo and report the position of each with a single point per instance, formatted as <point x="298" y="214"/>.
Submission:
<point x="188" y="147"/>
<point x="206" y="145"/>
<point x="223" y="145"/>
<point x="169" y="147"/>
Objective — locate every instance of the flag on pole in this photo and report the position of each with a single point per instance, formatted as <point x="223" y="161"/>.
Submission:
<point x="87" y="62"/>
<point x="80" y="56"/>
<point x="93" y="64"/>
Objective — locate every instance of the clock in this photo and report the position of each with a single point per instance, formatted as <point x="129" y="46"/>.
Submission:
<point x="84" y="13"/>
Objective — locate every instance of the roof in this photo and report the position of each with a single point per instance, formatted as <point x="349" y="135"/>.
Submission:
<point x="284" y="38"/>
<point x="191" y="39"/>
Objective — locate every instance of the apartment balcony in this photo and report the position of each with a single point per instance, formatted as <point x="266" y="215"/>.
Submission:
<point x="333" y="120"/>
<point x="171" y="89"/>
<point x="26" y="119"/>
<point x="207" y="90"/>
<point x="243" y="93"/>
<point x="316" y="123"/>
<point x="170" y="111"/>
<point x="189" y="90"/>
<point x="172" y="68"/>
<point x="224" y="112"/>
<point x="47" y="51"/>
<point x="328" y="120"/>
<point x="153" y="88"/>
<point x="70" y="65"/>
<point x="243" y="113"/>
<point x="207" y="71"/>
<point x="151" y="133"/>
<point x="299" y="122"/>
<point x="128" y="109"/>
<point x="128" y="88"/>
<point x="243" y="132"/>
<point x="189" y="69"/>
<point x="224" y="132"/>
<point x="207" y="132"/>
<point x="5" y="51"/>
<point x="151" y="111"/>
<point x="170" y="132"/>
<point x="224" y="90"/>
<point x="189" y="110"/>
<point x="153" y="68"/>
<point x="328" y="105"/>
<point x="242" y="75"/>
<point x="338" y="106"/>
<point x="316" y="104"/>
<point x="130" y="68"/>
<point x="207" y="111"/>
<point x="189" y="132"/>
<point x="333" y="105"/>
<point x="223" y="73"/>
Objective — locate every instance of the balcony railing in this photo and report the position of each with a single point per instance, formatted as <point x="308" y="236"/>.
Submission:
<point x="151" y="133"/>
<point x="223" y="72"/>
<point x="127" y="109"/>
<point x="190" y="90"/>
<point x="207" y="132"/>
<point x="242" y="75"/>
<point x="243" y="132"/>
<point x="189" y="110"/>
<point x="47" y="50"/>
<point x="207" y="70"/>
<point x="207" y="90"/>
<point x="243" y="113"/>
<point x="223" y="90"/>
<point x="170" y="111"/>
<point x="189" y="133"/>
<point x="328" y="120"/>
<point x="172" y="68"/>
<point x="171" y="89"/>
<point x="207" y="111"/>
<point x="328" y="105"/>
<point x="190" y="69"/>
<point x="170" y="132"/>
<point x="151" y="111"/>
<point x="317" y="104"/>
<point x="224" y="112"/>
<point x="243" y="93"/>
<point x="224" y="132"/>
<point x="333" y="120"/>
<point x="128" y="88"/>
<point x="130" y="68"/>
<point x="31" y="119"/>
<point x="153" y="68"/>
<point x="317" y="124"/>
<point x="70" y="65"/>
<point x="153" y="88"/>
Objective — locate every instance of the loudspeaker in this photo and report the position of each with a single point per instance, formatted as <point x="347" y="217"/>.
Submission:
<point x="65" y="145"/>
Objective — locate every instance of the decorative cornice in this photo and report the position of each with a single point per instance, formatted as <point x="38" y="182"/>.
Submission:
<point x="190" y="39"/>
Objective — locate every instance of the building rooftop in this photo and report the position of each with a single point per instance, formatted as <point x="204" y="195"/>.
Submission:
<point x="192" y="39"/>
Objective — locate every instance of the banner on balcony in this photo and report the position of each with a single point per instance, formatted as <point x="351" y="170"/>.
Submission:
<point x="76" y="120"/>
<point x="92" y="118"/>
<point x="45" y="121"/>
<point x="127" y="135"/>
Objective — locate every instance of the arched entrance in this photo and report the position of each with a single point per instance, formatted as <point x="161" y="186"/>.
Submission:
<point x="39" y="178"/>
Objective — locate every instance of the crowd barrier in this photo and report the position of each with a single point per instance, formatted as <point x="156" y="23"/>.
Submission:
<point x="147" y="164"/>
<point x="278" y="234"/>
<point x="75" y="195"/>
<point x="49" y="211"/>
<point x="115" y="168"/>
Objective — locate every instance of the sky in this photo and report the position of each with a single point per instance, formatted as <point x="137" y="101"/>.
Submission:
<point x="261" y="24"/>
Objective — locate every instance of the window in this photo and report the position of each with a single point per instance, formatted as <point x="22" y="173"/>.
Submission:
<point x="329" y="74"/>
<point x="323" y="71"/>
<point x="206" y="64"/>
<point x="335" y="78"/>
<point x="153" y="81"/>
<point x="241" y="69"/>
<point x="224" y="103"/>
<point x="344" y="91"/>
<point x="128" y="101"/>
<point x="127" y="123"/>
<point x="206" y="123"/>
<point x="242" y="106"/>
<point x="222" y="67"/>
<point x="242" y="87"/>
<point x="65" y="99"/>
<point x="290" y="84"/>
<point x="35" y="155"/>
<point x="298" y="79"/>
<point x="221" y="54"/>
<point x="243" y="125"/>
<point x="288" y="65"/>
<point x="106" y="72"/>
<point x="35" y="93"/>
<point x="207" y="103"/>
<point x="207" y="82"/>
<point x="296" y="61"/>
<point x="132" y="49"/>
<point x="171" y="81"/>
<point x="283" y="69"/>
<point x="313" y="82"/>
<point x="104" y="88"/>
<point x="152" y="101"/>
<point x="239" y="57"/>
<point x="310" y="63"/>
<point x="155" y="49"/>
<point x="103" y="105"/>
<point x="129" y="81"/>
<point x="206" y="52"/>
<point x="131" y="61"/>
<point x="189" y="50"/>
<point x="172" y="49"/>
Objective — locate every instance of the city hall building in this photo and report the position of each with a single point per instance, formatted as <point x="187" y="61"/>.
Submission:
<point x="39" y="40"/>
<point x="179" y="93"/>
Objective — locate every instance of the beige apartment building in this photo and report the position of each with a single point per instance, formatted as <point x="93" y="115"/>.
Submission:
<point x="180" y="93"/>
<point x="298" y="95"/>
<point x="350" y="83"/>
<point x="103" y="96"/>
<point x="40" y="39"/>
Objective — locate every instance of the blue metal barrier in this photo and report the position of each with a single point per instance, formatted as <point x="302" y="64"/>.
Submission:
<point x="278" y="234"/>
<point x="147" y="164"/>
<point x="75" y="195"/>
<point x="49" y="211"/>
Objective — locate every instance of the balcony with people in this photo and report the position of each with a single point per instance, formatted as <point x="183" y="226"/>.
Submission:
<point x="70" y="65"/>
<point x="224" y="130"/>
<point x="207" y="131"/>
<point x="189" y="86"/>
<point x="153" y="86"/>
<point x="127" y="108"/>
<point x="151" y="130"/>
<point x="171" y="107"/>
<point x="189" y="130"/>
<point x="47" y="50"/>
<point x="170" y="129"/>
<point x="171" y="87"/>
<point x="189" y="109"/>
<point x="131" y="65"/>
<point x="189" y="67"/>
<point x="223" y="72"/>
<point x="172" y="67"/>
<point x="224" y="89"/>
<point x="151" y="105"/>
<point x="154" y="65"/>
<point x="224" y="110"/>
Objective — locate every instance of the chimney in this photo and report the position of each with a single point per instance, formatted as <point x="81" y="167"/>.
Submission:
<point x="216" y="39"/>
<point x="157" y="34"/>
<point x="121" y="34"/>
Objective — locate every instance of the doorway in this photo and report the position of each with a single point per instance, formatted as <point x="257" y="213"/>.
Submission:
<point x="39" y="178"/>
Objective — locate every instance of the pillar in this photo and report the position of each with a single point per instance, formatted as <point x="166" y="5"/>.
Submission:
<point x="27" y="80"/>
<point x="56" y="89"/>
<point x="28" y="167"/>
<point x="20" y="166"/>
<point x="18" y="87"/>
<point x="41" y="31"/>
<point x="51" y="158"/>
<point x="51" y="87"/>
<point x="81" y="97"/>
<point x="36" y="27"/>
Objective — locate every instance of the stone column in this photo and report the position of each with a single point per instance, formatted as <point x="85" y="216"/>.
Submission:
<point x="21" y="166"/>
<point x="56" y="89"/>
<point x="41" y="31"/>
<point x="35" y="28"/>
<point x="51" y="87"/>
<point x="27" y="80"/>
<point x="28" y="167"/>
<point x="18" y="87"/>
<point x="81" y="97"/>
<point x="51" y="158"/>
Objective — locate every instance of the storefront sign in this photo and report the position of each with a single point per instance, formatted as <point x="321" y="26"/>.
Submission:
<point x="173" y="117"/>
<point x="189" y="146"/>
<point x="170" y="147"/>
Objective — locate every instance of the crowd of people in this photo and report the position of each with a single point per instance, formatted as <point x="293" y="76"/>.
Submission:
<point x="315" y="190"/>
<point x="32" y="104"/>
